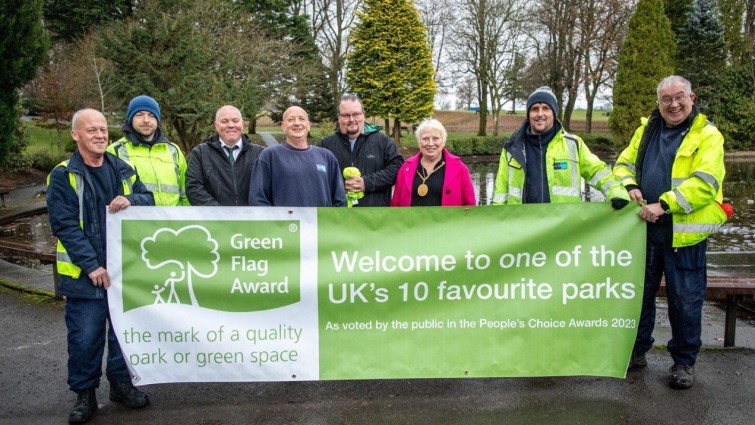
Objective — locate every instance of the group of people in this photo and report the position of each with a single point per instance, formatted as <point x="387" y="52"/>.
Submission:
<point x="673" y="167"/>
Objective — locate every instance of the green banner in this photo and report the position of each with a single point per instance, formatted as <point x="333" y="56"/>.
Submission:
<point x="272" y="294"/>
<point x="528" y="290"/>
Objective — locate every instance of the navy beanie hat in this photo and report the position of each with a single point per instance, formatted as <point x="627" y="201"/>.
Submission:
<point x="142" y="103"/>
<point x="543" y="95"/>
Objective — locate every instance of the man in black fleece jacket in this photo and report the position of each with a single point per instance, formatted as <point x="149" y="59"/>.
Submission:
<point x="363" y="146"/>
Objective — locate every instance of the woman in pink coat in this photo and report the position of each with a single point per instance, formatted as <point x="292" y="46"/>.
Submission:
<point x="433" y="177"/>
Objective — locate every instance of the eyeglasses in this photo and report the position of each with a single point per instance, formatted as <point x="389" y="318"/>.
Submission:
<point x="668" y="100"/>
<point x="355" y="115"/>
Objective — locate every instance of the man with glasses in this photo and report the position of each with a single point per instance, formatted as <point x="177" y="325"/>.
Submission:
<point x="674" y="168"/>
<point x="356" y="144"/>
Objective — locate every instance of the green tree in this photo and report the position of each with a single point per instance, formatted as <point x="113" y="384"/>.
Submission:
<point x="676" y="11"/>
<point x="71" y="19"/>
<point x="733" y="109"/>
<point x="23" y="47"/>
<point x="391" y="68"/>
<point x="307" y="84"/>
<point x="646" y="57"/>
<point x="200" y="56"/>
<point x="732" y="13"/>
<point x="701" y="54"/>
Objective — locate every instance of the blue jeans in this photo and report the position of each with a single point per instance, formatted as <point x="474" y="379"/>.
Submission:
<point x="686" y="281"/>
<point x="88" y="323"/>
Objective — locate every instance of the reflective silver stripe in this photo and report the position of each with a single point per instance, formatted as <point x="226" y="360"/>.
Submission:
<point x="609" y="184"/>
<point x="627" y="165"/>
<point x="575" y="178"/>
<point x="79" y="179"/>
<point x="708" y="178"/>
<point x="183" y="193"/>
<point x="129" y="185"/>
<point x="696" y="228"/>
<point x="63" y="256"/>
<point x="500" y="197"/>
<point x="174" y="154"/>
<point x="682" y="201"/>
<point x="677" y="182"/>
<point x="162" y="188"/>
<point x="625" y="178"/>
<point x="122" y="152"/>
<point x="598" y="176"/>
<point x="515" y="192"/>
<point x="566" y="191"/>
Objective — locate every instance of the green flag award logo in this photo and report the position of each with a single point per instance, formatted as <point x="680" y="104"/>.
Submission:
<point x="236" y="266"/>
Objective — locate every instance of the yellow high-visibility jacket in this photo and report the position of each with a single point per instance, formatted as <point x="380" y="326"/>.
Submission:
<point x="697" y="176"/>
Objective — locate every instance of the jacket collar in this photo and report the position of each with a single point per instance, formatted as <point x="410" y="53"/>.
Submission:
<point x="134" y="137"/>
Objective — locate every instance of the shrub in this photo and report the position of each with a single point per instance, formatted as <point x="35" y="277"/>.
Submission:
<point x="45" y="160"/>
<point x="468" y="146"/>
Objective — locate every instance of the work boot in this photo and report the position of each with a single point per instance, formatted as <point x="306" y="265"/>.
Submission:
<point x="86" y="405"/>
<point x="638" y="360"/>
<point x="682" y="376"/>
<point x="128" y="394"/>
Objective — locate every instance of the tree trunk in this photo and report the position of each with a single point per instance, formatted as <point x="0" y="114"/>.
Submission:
<point x="387" y="126"/>
<point x="397" y="131"/>
<point x="252" y="125"/>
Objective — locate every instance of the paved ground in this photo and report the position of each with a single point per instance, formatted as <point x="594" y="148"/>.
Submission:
<point x="33" y="375"/>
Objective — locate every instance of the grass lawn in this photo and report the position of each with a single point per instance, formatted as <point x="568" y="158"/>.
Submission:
<point x="42" y="139"/>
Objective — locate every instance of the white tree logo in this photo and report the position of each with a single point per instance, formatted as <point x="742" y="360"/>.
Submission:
<point x="191" y="250"/>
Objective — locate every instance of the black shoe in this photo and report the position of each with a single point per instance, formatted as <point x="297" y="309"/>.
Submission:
<point x="86" y="405"/>
<point x="682" y="376"/>
<point x="128" y="394"/>
<point x="638" y="360"/>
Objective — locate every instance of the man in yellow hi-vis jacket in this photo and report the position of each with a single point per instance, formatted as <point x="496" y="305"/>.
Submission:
<point x="542" y="163"/>
<point x="675" y="166"/>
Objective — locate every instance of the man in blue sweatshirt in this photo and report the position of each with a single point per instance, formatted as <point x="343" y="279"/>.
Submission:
<point x="295" y="174"/>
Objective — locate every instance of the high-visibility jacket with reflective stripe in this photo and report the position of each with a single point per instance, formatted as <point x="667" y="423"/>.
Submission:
<point x="567" y="160"/>
<point x="697" y="176"/>
<point x="161" y="167"/>
<point x="63" y="262"/>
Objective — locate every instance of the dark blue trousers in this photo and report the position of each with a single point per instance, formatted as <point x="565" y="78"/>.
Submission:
<point x="686" y="281"/>
<point x="88" y="323"/>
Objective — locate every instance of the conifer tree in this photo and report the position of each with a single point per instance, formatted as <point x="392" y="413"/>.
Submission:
<point x="23" y="47"/>
<point x="701" y="54"/>
<point x="390" y="67"/>
<point x="646" y="57"/>
<point x="676" y="11"/>
<point x="732" y="15"/>
<point x="71" y="19"/>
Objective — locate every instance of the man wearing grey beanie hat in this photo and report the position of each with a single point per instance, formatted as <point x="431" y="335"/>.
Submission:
<point x="542" y="163"/>
<point x="160" y="163"/>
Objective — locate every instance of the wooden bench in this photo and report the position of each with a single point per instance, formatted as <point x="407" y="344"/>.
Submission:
<point x="731" y="290"/>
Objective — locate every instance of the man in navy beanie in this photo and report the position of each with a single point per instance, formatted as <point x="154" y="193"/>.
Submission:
<point x="542" y="163"/>
<point x="160" y="163"/>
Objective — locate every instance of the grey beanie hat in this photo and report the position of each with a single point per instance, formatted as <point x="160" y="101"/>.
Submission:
<point x="545" y="95"/>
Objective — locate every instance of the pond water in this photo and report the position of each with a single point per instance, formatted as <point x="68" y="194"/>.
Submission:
<point x="731" y="251"/>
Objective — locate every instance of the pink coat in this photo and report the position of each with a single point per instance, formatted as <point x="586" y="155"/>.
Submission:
<point x="457" y="185"/>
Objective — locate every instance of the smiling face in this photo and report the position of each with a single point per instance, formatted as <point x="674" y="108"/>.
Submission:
<point x="229" y="124"/>
<point x="350" y="118"/>
<point x="90" y="133"/>
<point x="145" y="124"/>
<point x="431" y="145"/>
<point x="675" y="103"/>
<point x="541" y="118"/>
<point x="296" y="126"/>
